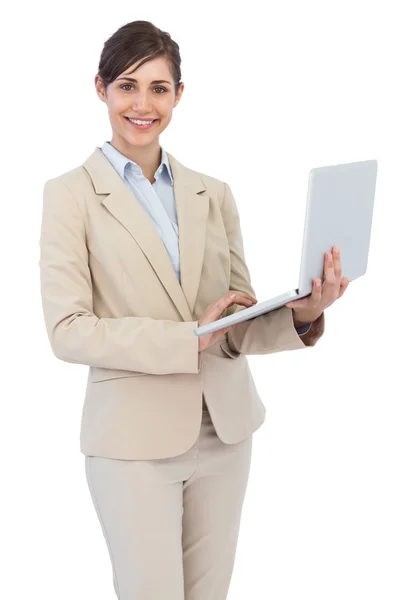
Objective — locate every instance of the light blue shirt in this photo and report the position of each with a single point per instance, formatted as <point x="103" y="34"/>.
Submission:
<point x="157" y="199"/>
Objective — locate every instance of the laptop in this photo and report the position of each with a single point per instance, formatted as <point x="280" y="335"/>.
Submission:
<point x="339" y="211"/>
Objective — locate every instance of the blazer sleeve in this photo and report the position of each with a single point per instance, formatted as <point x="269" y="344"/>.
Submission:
<point x="274" y="331"/>
<point x="75" y="333"/>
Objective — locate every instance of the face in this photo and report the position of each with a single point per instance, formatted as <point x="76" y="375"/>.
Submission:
<point x="150" y="96"/>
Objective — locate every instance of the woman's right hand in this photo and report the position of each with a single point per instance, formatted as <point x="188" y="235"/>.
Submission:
<point x="214" y="311"/>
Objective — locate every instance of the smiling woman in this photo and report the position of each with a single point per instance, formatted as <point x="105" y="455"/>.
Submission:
<point x="137" y="251"/>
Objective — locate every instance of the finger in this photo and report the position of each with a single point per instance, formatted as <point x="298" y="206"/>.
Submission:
<point x="298" y="303"/>
<point x="239" y="298"/>
<point x="330" y="285"/>
<point x="302" y="302"/>
<point x="214" y="311"/>
<point x="343" y="286"/>
<point x="238" y="293"/>
<point x="329" y="270"/>
<point x="242" y="300"/>
<point x="316" y="291"/>
<point x="312" y="300"/>
<point x="223" y="303"/>
<point x="336" y="262"/>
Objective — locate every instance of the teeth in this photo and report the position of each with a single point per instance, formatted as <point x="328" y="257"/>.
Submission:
<point x="140" y="122"/>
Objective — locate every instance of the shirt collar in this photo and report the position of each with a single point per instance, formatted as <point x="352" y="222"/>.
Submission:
<point x="119" y="162"/>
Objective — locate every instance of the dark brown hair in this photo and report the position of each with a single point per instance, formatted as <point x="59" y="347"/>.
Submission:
<point x="134" y="41"/>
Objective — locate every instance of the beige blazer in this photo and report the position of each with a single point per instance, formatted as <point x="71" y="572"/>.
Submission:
<point x="111" y="300"/>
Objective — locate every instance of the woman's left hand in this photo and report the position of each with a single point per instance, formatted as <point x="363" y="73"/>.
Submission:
<point x="308" y="309"/>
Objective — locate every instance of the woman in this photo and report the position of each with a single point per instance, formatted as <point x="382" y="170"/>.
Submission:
<point x="136" y="251"/>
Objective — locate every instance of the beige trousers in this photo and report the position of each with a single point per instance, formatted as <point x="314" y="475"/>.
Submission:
<point x="171" y="525"/>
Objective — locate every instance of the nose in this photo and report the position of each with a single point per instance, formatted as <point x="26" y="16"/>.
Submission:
<point x="141" y="102"/>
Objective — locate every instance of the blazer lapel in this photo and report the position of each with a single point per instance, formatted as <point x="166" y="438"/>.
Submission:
<point x="192" y="212"/>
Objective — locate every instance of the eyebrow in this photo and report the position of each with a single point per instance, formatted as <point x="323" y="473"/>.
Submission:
<point x="135" y="80"/>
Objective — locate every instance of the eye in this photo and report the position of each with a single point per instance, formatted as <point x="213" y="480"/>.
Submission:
<point x="129" y="85"/>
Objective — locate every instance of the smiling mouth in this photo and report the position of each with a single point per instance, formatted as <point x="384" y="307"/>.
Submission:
<point x="137" y="126"/>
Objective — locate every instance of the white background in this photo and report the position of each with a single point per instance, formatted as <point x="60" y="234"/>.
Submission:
<point x="318" y="82"/>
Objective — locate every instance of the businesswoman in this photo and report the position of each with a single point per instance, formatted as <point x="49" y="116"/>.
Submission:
<point x="136" y="251"/>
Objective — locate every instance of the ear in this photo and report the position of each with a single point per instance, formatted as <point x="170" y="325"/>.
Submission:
<point x="100" y="90"/>
<point x="179" y="94"/>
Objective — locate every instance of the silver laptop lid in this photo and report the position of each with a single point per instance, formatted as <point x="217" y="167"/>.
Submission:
<point x="339" y="211"/>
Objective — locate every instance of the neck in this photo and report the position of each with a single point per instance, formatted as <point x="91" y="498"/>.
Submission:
<point x="147" y="157"/>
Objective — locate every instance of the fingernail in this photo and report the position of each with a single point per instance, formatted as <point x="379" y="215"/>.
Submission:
<point x="318" y="284"/>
